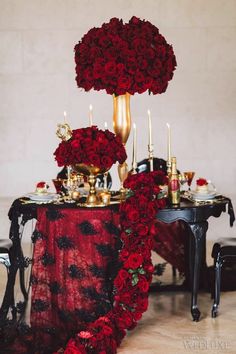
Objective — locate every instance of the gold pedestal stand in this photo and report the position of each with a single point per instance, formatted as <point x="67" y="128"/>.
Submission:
<point x="122" y="126"/>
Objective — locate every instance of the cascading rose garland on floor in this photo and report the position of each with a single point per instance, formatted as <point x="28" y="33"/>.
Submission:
<point x="131" y="285"/>
<point x="122" y="57"/>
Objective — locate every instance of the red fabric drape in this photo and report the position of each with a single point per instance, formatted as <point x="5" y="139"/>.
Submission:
<point x="70" y="276"/>
<point x="170" y="243"/>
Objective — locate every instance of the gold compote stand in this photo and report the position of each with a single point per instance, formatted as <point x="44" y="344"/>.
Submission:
<point x="91" y="172"/>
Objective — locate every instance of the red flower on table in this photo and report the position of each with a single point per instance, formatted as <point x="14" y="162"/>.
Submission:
<point x="124" y="57"/>
<point x="42" y="185"/>
<point x="201" y="182"/>
<point x="134" y="261"/>
<point x="91" y="146"/>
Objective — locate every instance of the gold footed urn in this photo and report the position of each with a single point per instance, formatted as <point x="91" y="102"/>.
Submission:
<point x="122" y="126"/>
<point x="91" y="173"/>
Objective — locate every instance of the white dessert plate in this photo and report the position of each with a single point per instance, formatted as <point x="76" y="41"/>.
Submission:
<point x="42" y="197"/>
<point x="202" y="196"/>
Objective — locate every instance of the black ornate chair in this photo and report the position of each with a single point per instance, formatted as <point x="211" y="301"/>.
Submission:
<point x="223" y="252"/>
<point x="5" y="257"/>
<point x="158" y="164"/>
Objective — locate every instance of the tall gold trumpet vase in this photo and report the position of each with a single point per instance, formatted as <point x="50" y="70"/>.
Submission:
<point x="122" y="126"/>
<point x="91" y="172"/>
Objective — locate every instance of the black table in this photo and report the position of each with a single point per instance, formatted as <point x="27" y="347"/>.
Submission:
<point x="196" y="216"/>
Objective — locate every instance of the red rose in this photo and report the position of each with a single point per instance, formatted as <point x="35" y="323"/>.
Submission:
<point x="142" y="230"/>
<point x="134" y="261"/>
<point x="124" y="298"/>
<point x="133" y="215"/>
<point x="151" y="210"/>
<point x="41" y="185"/>
<point x="123" y="274"/>
<point x="143" y="284"/>
<point x="125" y="320"/>
<point x="137" y="315"/>
<point x="143" y="304"/>
<point x="85" y="334"/>
<point x="120" y="279"/>
<point x="110" y="68"/>
<point x="107" y="330"/>
<point x="72" y="348"/>
<point x="201" y="182"/>
<point x="107" y="162"/>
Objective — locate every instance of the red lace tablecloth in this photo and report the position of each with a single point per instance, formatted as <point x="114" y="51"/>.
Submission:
<point x="74" y="263"/>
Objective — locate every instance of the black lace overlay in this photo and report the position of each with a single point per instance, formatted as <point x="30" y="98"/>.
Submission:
<point x="64" y="242"/>
<point x="76" y="272"/>
<point x="37" y="235"/>
<point x="53" y="214"/>
<point x="39" y="305"/>
<point x="105" y="250"/>
<point x="47" y="259"/>
<point x="86" y="228"/>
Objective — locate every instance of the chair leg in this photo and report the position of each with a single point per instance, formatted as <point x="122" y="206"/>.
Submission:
<point x="218" y="266"/>
<point x="174" y="272"/>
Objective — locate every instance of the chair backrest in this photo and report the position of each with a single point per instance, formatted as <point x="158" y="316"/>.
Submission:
<point x="158" y="164"/>
<point x="100" y="179"/>
<point x="5" y="246"/>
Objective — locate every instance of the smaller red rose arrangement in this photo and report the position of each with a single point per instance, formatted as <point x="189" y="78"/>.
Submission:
<point x="201" y="182"/>
<point x="122" y="57"/>
<point x="91" y="146"/>
<point x="131" y="285"/>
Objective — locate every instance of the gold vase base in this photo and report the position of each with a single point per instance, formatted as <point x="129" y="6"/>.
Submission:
<point x="98" y="200"/>
<point x="122" y="194"/>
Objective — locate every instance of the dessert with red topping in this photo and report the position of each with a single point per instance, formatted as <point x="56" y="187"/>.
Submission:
<point x="41" y="188"/>
<point x="202" y="186"/>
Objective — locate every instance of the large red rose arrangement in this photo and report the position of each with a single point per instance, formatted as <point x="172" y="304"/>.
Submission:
<point x="124" y="57"/>
<point x="131" y="285"/>
<point x="91" y="146"/>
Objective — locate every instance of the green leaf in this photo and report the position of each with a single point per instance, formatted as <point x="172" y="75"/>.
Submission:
<point x="131" y="271"/>
<point x="134" y="279"/>
<point x="128" y="231"/>
<point x="141" y="271"/>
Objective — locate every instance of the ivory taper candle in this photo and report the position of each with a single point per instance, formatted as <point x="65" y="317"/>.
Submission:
<point x="90" y="115"/>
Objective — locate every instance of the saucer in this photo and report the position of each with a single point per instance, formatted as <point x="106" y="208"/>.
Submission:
<point x="202" y="196"/>
<point x="41" y="197"/>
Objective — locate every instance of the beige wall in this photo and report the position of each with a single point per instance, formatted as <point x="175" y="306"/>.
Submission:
<point x="37" y="83"/>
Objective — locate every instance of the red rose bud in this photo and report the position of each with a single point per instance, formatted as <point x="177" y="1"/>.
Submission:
<point x="42" y="185"/>
<point x="201" y="182"/>
<point x="85" y="334"/>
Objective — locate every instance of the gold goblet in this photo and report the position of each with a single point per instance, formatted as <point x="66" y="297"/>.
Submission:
<point x="189" y="175"/>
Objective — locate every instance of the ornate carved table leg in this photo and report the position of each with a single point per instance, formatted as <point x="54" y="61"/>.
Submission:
<point x="199" y="236"/>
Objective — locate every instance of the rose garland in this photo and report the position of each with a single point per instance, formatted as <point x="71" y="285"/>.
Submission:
<point x="131" y="285"/>
<point x="122" y="57"/>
